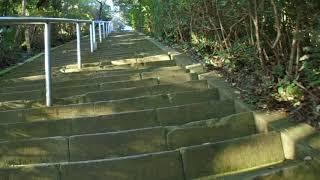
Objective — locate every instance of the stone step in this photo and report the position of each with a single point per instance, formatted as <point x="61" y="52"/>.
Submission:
<point x="110" y="107"/>
<point x="65" y="81"/>
<point x="141" y="60"/>
<point x="126" y="121"/>
<point x="138" y="92"/>
<point x="213" y="130"/>
<point x="34" y="151"/>
<point x="233" y="155"/>
<point x="111" y="71"/>
<point x="257" y="173"/>
<point x="98" y="66"/>
<point x="76" y="90"/>
<point x="106" y="95"/>
<point x="163" y="165"/>
<point x="194" y="162"/>
<point x="110" y="145"/>
<point x="299" y="171"/>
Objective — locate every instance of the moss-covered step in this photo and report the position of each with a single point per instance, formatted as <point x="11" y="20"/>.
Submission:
<point x="53" y="149"/>
<point x="35" y="172"/>
<point x="157" y="166"/>
<point x="233" y="155"/>
<point x="114" y="106"/>
<point x="117" y="144"/>
<point x="75" y="90"/>
<point x="213" y="130"/>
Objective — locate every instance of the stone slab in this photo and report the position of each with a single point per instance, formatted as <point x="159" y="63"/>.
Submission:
<point x="233" y="155"/>
<point x="49" y="172"/>
<point x="114" y="122"/>
<point x="34" y="151"/>
<point x="230" y="127"/>
<point x="159" y="166"/>
<point x="179" y="115"/>
<point x="117" y="144"/>
<point x="38" y="129"/>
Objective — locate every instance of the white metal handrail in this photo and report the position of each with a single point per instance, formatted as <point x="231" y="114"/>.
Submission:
<point x="105" y="27"/>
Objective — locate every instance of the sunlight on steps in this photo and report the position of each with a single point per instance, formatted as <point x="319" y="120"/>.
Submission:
<point x="134" y="113"/>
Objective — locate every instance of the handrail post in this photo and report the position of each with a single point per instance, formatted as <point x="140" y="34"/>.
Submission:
<point x="104" y="29"/>
<point x="47" y="60"/>
<point x="94" y="35"/>
<point x="100" y="32"/>
<point x="78" y="45"/>
<point x="91" y="37"/>
<point x="107" y="28"/>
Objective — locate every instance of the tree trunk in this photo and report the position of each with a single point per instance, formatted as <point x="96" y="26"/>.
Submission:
<point x="27" y="31"/>
<point x="257" y="33"/>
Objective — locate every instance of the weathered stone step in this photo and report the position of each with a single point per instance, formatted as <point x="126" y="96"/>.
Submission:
<point x="53" y="149"/>
<point x="138" y="91"/>
<point x="101" y="67"/>
<point x="111" y="71"/>
<point x="233" y="155"/>
<point x="299" y="171"/>
<point x="64" y="81"/>
<point x="163" y="165"/>
<point x="141" y="60"/>
<point x="212" y="130"/>
<point x="123" y="121"/>
<point x="117" y="144"/>
<point x="172" y="76"/>
<point x="113" y="94"/>
<point x="255" y="173"/>
<point x="109" y="107"/>
<point x="76" y="90"/>
<point x="112" y="144"/>
<point x="71" y="83"/>
<point x="196" y="162"/>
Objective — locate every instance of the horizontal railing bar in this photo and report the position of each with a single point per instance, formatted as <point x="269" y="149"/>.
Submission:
<point x="40" y="20"/>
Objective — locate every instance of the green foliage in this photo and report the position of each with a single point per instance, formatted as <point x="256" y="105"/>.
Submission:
<point x="13" y="43"/>
<point x="278" y="71"/>
<point x="8" y="51"/>
<point x="289" y="91"/>
<point x="312" y="72"/>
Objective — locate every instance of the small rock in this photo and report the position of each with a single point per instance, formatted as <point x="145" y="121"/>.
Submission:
<point x="237" y="92"/>
<point x="234" y="84"/>
<point x="307" y="158"/>
<point x="318" y="108"/>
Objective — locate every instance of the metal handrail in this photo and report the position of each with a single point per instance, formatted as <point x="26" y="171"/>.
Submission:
<point x="38" y="20"/>
<point x="105" y="27"/>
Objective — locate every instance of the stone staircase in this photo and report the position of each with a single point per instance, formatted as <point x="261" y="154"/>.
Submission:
<point x="141" y="119"/>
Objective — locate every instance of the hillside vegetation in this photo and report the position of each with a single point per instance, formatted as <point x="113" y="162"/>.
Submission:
<point x="268" y="49"/>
